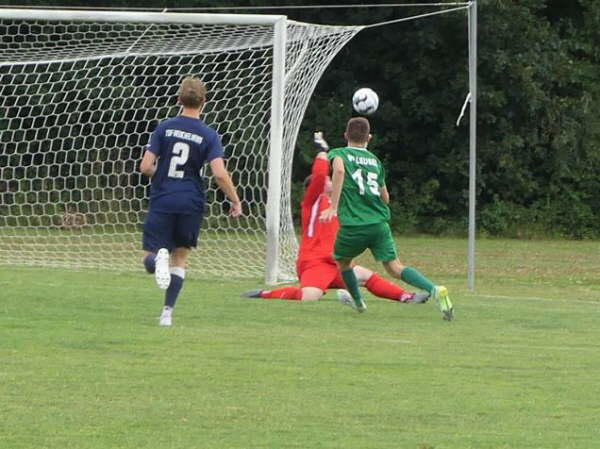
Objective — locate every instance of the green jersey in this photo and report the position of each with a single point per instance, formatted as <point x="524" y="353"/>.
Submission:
<point x="360" y="201"/>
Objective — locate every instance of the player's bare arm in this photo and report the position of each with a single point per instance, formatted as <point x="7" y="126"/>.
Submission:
<point x="385" y="195"/>
<point x="224" y="182"/>
<point x="148" y="164"/>
<point x="336" y="189"/>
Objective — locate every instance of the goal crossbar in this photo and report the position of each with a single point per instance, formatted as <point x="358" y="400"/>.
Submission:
<point x="53" y="15"/>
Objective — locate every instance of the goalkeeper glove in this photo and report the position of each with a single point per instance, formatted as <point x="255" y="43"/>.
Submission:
<point x="320" y="143"/>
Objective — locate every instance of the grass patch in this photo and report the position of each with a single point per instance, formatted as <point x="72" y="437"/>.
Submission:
<point x="84" y="364"/>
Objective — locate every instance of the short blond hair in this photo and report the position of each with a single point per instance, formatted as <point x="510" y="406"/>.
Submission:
<point x="192" y="93"/>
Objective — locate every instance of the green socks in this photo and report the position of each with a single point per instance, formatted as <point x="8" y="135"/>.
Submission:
<point x="352" y="285"/>
<point x="414" y="278"/>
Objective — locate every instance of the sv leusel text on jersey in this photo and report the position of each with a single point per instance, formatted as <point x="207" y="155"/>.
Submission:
<point x="360" y="160"/>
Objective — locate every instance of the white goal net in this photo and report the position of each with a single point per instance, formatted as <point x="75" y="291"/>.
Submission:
<point x="81" y="92"/>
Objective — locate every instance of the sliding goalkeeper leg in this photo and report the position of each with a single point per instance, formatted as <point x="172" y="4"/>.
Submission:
<point x="315" y="278"/>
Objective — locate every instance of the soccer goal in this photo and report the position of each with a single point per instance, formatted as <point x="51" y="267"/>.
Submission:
<point x="81" y="92"/>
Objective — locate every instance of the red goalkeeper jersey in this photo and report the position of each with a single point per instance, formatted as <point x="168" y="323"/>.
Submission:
<point x="318" y="238"/>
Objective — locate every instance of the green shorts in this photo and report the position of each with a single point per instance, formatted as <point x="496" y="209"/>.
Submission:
<point x="351" y="241"/>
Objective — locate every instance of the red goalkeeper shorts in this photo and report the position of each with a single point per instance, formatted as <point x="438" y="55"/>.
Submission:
<point x="322" y="274"/>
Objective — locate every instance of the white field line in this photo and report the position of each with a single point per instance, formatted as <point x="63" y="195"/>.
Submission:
<point x="534" y="298"/>
<point x="593" y="348"/>
<point x="390" y="340"/>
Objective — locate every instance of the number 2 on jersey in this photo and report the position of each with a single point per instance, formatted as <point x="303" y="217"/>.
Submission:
<point x="181" y="152"/>
<point x="371" y="182"/>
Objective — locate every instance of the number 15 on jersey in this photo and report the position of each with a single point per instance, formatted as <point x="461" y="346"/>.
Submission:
<point x="369" y="178"/>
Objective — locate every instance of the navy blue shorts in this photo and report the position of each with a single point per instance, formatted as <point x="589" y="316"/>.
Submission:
<point x="170" y="231"/>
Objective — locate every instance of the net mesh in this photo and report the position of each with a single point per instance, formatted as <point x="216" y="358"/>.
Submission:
<point x="79" y="100"/>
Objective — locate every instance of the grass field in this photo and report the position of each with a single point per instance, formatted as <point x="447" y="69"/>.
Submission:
<point x="84" y="364"/>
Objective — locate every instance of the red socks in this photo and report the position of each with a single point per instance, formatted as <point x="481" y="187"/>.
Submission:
<point x="385" y="289"/>
<point x="376" y="285"/>
<point x="291" y="293"/>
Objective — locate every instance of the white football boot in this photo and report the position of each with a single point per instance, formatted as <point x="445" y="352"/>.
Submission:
<point x="162" y="273"/>
<point x="166" y="318"/>
<point x="345" y="298"/>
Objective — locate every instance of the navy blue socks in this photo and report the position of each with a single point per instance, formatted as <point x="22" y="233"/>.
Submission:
<point x="177" y="277"/>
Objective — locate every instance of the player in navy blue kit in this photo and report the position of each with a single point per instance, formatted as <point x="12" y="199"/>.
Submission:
<point x="178" y="149"/>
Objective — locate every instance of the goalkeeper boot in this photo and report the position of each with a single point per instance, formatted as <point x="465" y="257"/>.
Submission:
<point x="345" y="298"/>
<point x="162" y="273"/>
<point x="252" y="294"/>
<point x="440" y="294"/>
<point x="417" y="298"/>
<point x="166" y="317"/>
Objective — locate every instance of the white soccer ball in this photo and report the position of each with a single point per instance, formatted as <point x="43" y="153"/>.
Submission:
<point x="365" y="101"/>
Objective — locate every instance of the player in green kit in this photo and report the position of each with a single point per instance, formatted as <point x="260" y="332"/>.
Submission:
<point x="360" y="192"/>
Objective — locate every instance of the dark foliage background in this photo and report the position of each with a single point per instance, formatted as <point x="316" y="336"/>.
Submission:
<point x="539" y="113"/>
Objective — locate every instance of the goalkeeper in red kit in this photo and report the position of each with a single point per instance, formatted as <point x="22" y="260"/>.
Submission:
<point x="315" y="266"/>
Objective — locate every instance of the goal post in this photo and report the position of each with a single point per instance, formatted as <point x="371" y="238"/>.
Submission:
<point x="80" y="94"/>
<point x="273" y="218"/>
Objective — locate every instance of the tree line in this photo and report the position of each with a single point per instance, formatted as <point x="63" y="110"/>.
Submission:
<point x="538" y="111"/>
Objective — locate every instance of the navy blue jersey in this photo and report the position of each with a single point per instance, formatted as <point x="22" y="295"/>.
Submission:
<point x="182" y="145"/>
